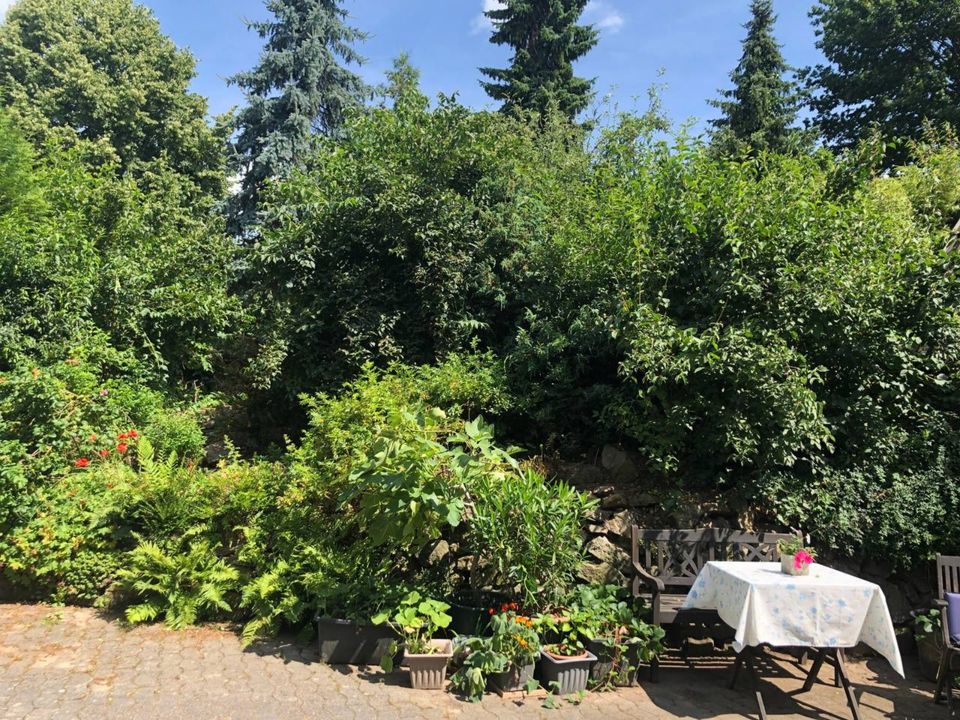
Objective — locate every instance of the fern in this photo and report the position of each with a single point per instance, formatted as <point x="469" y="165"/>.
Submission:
<point x="183" y="587"/>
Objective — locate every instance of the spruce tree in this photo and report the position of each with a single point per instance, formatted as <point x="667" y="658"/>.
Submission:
<point x="301" y="86"/>
<point x="760" y="111"/>
<point x="546" y="40"/>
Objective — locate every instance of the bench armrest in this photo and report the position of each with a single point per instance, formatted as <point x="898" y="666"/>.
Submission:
<point x="939" y="603"/>
<point x="654" y="584"/>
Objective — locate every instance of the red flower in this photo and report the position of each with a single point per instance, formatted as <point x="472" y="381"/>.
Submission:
<point x="122" y="436"/>
<point x="104" y="453"/>
<point x="121" y="448"/>
<point x="81" y="462"/>
<point x="133" y="434"/>
<point x="491" y="611"/>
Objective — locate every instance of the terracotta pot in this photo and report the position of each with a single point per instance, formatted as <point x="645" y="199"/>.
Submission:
<point x="429" y="671"/>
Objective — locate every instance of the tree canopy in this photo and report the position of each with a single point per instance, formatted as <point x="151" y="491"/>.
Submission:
<point x="101" y="71"/>
<point x="892" y="65"/>
<point x="299" y="88"/>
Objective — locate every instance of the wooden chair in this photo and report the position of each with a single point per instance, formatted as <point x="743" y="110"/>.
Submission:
<point x="948" y="581"/>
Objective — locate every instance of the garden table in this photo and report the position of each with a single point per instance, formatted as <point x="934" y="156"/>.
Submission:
<point x="825" y="611"/>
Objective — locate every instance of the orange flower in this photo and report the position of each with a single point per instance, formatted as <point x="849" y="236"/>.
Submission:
<point x="92" y="438"/>
<point x="104" y="453"/>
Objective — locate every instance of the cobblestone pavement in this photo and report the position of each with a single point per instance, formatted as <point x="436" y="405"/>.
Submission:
<point x="73" y="663"/>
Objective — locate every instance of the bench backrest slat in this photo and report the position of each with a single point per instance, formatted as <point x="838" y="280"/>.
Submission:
<point x="677" y="556"/>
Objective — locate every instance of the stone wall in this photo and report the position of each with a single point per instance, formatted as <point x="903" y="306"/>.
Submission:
<point x="625" y="498"/>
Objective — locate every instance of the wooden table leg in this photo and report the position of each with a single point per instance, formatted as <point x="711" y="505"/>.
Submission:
<point x="841" y="667"/>
<point x="814" y="670"/>
<point x="747" y="657"/>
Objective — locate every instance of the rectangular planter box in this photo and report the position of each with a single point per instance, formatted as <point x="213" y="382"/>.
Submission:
<point x="429" y="672"/>
<point x="345" y="643"/>
<point x="565" y="676"/>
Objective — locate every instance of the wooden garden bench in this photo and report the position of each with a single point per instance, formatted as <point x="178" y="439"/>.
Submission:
<point x="666" y="564"/>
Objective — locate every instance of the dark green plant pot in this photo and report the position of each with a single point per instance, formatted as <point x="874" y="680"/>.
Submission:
<point x="619" y="669"/>
<point x="605" y="653"/>
<point x="513" y="679"/>
<point x="346" y="643"/>
<point x="470" y="611"/>
<point x="565" y="676"/>
<point x="929" y="649"/>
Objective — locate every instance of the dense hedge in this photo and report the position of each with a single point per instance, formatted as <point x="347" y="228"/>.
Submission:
<point x="782" y="331"/>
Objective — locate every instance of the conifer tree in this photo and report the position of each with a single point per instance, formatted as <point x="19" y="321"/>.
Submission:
<point x="546" y="40"/>
<point x="301" y="86"/>
<point x="760" y="111"/>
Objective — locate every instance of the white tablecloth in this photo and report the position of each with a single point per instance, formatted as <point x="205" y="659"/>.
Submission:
<point x="825" y="609"/>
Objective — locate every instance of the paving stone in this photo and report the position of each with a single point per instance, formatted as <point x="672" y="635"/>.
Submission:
<point x="75" y="663"/>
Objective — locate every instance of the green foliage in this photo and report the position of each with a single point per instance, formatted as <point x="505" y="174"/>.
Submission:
<point x="400" y="241"/>
<point x="181" y="586"/>
<point x="891" y="65"/>
<point x="546" y="40"/>
<point x="511" y="645"/>
<point x="101" y="72"/>
<point x="416" y="620"/>
<point x="100" y="267"/>
<point x="298" y="88"/>
<point x="760" y="110"/>
<point x="525" y="534"/>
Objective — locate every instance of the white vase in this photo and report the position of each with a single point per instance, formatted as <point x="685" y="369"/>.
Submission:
<point x="787" y="566"/>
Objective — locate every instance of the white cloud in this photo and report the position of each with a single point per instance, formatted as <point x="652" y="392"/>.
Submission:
<point x="604" y="16"/>
<point x="481" y="23"/>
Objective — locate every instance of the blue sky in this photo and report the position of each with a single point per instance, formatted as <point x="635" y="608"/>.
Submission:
<point x="695" y="42"/>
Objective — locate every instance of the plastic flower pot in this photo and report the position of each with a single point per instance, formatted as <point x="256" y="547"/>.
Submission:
<point x="346" y="643"/>
<point x="605" y="653"/>
<point x="429" y="671"/>
<point x="469" y="611"/>
<point x="619" y="668"/>
<point x="565" y="675"/>
<point x="514" y="679"/>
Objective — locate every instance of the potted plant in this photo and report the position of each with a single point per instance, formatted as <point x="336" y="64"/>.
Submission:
<point x="565" y="663"/>
<point x="416" y="621"/>
<point x="795" y="558"/>
<point x="469" y="610"/>
<point x="621" y="639"/>
<point x="344" y="632"/>
<point x="505" y="660"/>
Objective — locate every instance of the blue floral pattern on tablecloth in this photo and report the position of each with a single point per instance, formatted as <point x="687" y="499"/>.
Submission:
<point x="824" y="609"/>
